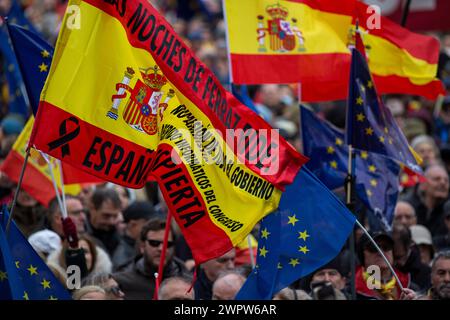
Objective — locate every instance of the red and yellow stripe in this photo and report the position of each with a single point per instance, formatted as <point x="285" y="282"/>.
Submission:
<point x="400" y="61"/>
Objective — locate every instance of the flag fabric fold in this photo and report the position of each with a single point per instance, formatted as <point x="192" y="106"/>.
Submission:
<point x="308" y="230"/>
<point x="34" y="56"/>
<point x="292" y="41"/>
<point x="370" y="126"/>
<point x="137" y="104"/>
<point x="376" y="176"/>
<point x="23" y="274"/>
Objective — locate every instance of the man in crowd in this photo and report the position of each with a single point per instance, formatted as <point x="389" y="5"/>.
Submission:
<point x="176" y="288"/>
<point x="440" y="276"/>
<point x="405" y="214"/>
<point x="429" y="199"/>
<point x="135" y="216"/>
<point x="227" y="285"/>
<point x="104" y="209"/>
<point x="137" y="281"/>
<point x="209" y="271"/>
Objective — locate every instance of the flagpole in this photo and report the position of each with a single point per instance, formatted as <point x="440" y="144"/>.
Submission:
<point x="382" y="254"/>
<point x="350" y="206"/>
<point x="63" y="193"/>
<point x="250" y="249"/>
<point x="55" y="186"/>
<point x="16" y="194"/>
<point x="159" y="275"/>
<point x="405" y="12"/>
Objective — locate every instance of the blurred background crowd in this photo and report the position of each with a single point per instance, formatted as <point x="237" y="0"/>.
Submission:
<point x="121" y="230"/>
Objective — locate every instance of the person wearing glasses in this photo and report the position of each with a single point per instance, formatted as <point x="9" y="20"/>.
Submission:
<point x="137" y="280"/>
<point x="209" y="272"/>
<point x="107" y="283"/>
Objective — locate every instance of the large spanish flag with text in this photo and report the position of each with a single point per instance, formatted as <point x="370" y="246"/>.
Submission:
<point x="37" y="180"/>
<point x="307" y="42"/>
<point x="127" y="99"/>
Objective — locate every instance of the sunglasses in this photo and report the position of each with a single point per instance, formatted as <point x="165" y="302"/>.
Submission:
<point x="114" y="290"/>
<point x="157" y="243"/>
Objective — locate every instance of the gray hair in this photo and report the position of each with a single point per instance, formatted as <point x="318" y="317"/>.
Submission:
<point x="444" y="254"/>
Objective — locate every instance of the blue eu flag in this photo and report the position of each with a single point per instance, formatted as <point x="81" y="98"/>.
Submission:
<point x="34" y="56"/>
<point x="307" y="231"/>
<point x="23" y="274"/>
<point x="377" y="177"/>
<point x="370" y="125"/>
<point x="17" y="103"/>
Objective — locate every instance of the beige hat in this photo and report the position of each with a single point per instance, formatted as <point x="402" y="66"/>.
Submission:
<point x="421" y="235"/>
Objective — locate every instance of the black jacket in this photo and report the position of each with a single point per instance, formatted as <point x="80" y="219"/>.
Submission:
<point x="420" y="273"/>
<point x="124" y="253"/>
<point x="203" y="286"/>
<point x="434" y="221"/>
<point x="138" y="282"/>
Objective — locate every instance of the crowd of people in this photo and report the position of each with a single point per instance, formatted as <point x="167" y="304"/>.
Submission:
<point x="115" y="234"/>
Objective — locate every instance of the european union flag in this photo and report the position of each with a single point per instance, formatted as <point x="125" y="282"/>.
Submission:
<point x="308" y="230"/>
<point x="34" y="55"/>
<point x="23" y="274"/>
<point x="370" y="125"/>
<point x="377" y="177"/>
<point x="17" y="102"/>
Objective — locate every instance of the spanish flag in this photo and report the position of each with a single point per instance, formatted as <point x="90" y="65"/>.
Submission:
<point x="308" y="41"/>
<point x="37" y="180"/>
<point x="127" y="99"/>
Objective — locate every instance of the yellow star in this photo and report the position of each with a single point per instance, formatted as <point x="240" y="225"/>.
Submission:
<point x="292" y="220"/>
<point x="382" y="139"/>
<point x="369" y="131"/>
<point x="360" y="117"/>
<point x="333" y="164"/>
<point x="279" y="266"/>
<point x="45" y="54"/>
<point x="386" y="130"/>
<point x="369" y="84"/>
<point x="43" y="67"/>
<point x="3" y="275"/>
<point x="373" y="183"/>
<point x="263" y="251"/>
<point x="390" y="141"/>
<point x="339" y="142"/>
<point x="52" y="298"/>
<point x="372" y="168"/>
<point x="293" y="262"/>
<point x="18" y="264"/>
<point x="303" y="235"/>
<point x="359" y="101"/>
<point x="364" y="154"/>
<point x="369" y="193"/>
<point x="45" y="284"/>
<point x="265" y="234"/>
<point x="25" y="296"/>
<point x="18" y="93"/>
<point x="330" y="150"/>
<point x="33" y="270"/>
<point x="303" y="249"/>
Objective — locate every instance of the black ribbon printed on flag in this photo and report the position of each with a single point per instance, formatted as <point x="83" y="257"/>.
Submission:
<point x="63" y="140"/>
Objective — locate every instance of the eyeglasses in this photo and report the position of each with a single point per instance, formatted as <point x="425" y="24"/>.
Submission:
<point x="114" y="290"/>
<point x="157" y="243"/>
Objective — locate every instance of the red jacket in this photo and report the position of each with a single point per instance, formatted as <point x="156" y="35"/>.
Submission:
<point x="363" y="292"/>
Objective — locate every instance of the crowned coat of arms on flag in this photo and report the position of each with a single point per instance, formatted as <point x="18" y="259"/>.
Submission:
<point x="284" y="36"/>
<point x="144" y="101"/>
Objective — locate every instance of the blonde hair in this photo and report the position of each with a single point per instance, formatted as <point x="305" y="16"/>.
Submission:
<point x="78" y="294"/>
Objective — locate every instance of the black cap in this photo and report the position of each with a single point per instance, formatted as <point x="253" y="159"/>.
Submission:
<point x="364" y="242"/>
<point x="138" y="210"/>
